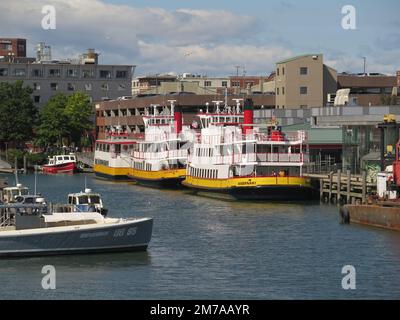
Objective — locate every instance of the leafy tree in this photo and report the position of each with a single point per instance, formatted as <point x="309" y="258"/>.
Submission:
<point x="53" y="126"/>
<point x="79" y="111"/>
<point x="64" y="120"/>
<point x="18" y="114"/>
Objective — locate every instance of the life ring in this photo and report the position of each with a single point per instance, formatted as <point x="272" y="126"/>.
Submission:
<point x="344" y="215"/>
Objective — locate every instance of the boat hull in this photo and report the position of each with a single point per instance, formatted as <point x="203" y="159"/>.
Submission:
<point x="168" y="179"/>
<point x="129" y="235"/>
<point x="254" y="189"/>
<point x="60" y="168"/>
<point x="385" y="216"/>
<point x="108" y="173"/>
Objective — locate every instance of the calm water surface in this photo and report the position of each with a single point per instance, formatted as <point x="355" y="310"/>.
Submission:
<point x="209" y="249"/>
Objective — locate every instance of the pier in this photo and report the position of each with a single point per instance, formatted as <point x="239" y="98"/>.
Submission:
<point x="343" y="188"/>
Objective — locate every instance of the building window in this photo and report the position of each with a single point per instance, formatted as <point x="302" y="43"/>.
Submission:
<point x="303" y="71"/>
<point x="283" y="90"/>
<point x="54" y="86"/>
<point x="224" y="83"/>
<point x="3" y="72"/>
<point x="304" y="106"/>
<point x="6" y="46"/>
<point x="283" y="71"/>
<point x="37" y="73"/>
<point x="88" y="86"/>
<point x="105" y="74"/>
<point x="277" y="71"/>
<point x="55" y="73"/>
<point x="36" y="99"/>
<point x="121" y="87"/>
<point x="87" y="73"/>
<point x="303" y="90"/>
<point x="207" y="83"/>
<point x="70" y="87"/>
<point x="104" y="87"/>
<point x="36" y="86"/>
<point x="235" y="84"/>
<point x="121" y="74"/>
<point x="72" y="73"/>
<point x="19" y="72"/>
<point x="277" y="91"/>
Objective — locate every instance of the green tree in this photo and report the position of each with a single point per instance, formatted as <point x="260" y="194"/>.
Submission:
<point x="65" y="120"/>
<point x="79" y="111"/>
<point x="54" y="124"/>
<point x="18" y="114"/>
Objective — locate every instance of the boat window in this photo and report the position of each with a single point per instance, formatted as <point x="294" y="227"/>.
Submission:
<point x="59" y="158"/>
<point x="72" y="158"/>
<point x="95" y="199"/>
<point x="66" y="158"/>
<point x="83" y="199"/>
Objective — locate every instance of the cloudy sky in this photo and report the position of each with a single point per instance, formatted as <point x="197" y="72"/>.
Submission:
<point x="212" y="36"/>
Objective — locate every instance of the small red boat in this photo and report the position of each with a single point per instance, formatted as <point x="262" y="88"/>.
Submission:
<point x="61" y="164"/>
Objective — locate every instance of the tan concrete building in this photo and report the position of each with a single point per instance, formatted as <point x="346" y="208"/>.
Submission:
<point x="303" y="82"/>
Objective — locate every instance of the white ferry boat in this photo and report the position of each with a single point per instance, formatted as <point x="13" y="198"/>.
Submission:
<point x="160" y="158"/>
<point x="112" y="156"/>
<point x="235" y="159"/>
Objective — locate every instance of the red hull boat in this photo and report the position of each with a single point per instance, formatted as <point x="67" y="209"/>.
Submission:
<point x="61" y="164"/>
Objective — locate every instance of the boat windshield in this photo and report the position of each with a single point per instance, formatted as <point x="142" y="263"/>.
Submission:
<point x="95" y="199"/>
<point x="19" y="192"/>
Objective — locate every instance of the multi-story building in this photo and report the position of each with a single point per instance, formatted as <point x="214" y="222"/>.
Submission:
<point x="242" y="84"/>
<point x="48" y="77"/>
<point x="129" y="113"/>
<point x="304" y="82"/>
<point x="12" y="47"/>
<point x="368" y="89"/>
<point x="189" y="83"/>
<point x="398" y="78"/>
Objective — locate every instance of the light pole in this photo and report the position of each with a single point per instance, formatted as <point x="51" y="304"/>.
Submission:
<point x="365" y="62"/>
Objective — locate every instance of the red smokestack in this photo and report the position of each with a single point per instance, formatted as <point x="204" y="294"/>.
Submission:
<point x="178" y="119"/>
<point x="248" y="116"/>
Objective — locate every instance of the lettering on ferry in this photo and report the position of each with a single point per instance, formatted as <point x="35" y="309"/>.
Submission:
<point x="119" y="233"/>
<point x="247" y="183"/>
<point x="131" y="231"/>
<point x="94" y="235"/>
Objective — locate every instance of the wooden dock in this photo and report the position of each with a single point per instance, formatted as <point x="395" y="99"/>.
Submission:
<point x="342" y="188"/>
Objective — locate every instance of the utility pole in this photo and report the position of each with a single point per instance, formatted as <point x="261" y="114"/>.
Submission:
<point x="365" y="62"/>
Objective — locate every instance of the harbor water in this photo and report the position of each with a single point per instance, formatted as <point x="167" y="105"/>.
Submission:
<point x="204" y="248"/>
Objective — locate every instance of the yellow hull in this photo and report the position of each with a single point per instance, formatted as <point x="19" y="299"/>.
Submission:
<point x="246" y="182"/>
<point x="111" y="173"/>
<point x="159" y="179"/>
<point x="259" y="188"/>
<point x="157" y="175"/>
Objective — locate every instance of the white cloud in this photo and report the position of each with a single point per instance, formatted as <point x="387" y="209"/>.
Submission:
<point x="125" y="34"/>
<point x="258" y="60"/>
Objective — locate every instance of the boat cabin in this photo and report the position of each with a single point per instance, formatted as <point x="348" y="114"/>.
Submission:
<point x="10" y="193"/>
<point x="61" y="159"/>
<point x="87" y="201"/>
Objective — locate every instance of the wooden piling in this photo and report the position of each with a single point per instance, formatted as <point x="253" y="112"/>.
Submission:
<point x="330" y="185"/>
<point x="339" y="186"/>
<point x="348" y="186"/>
<point x="364" y="187"/>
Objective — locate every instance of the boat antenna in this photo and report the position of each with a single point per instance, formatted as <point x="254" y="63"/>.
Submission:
<point x="35" y="179"/>
<point x="16" y="170"/>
